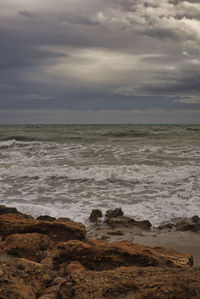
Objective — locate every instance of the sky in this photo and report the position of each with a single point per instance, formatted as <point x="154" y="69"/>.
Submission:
<point x="99" y="61"/>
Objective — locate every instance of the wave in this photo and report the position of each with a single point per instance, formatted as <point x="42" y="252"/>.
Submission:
<point x="135" y="174"/>
<point x="127" y="134"/>
<point x="19" y="138"/>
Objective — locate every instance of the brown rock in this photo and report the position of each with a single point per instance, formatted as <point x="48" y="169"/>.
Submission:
<point x="124" y="221"/>
<point x="114" y="213"/>
<point x="52" y="291"/>
<point x="120" y="221"/>
<point x="21" y="279"/>
<point x="56" y="230"/>
<point x="95" y="215"/>
<point x="12" y="210"/>
<point x="144" y="224"/>
<point x="46" y="217"/>
<point x="191" y="224"/>
<point x="64" y="219"/>
<point x="31" y="246"/>
<point x="74" y="266"/>
<point x="99" y="255"/>
<point x="132" y="283"/>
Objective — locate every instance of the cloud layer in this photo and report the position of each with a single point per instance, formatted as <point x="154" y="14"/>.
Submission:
<point x="97" y="55"/>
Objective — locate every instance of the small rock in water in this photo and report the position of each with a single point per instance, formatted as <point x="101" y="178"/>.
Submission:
<point x="166" y="226"/>
<point x="95" y="215"/>
<point x="195" y="219"/>
<point x="128" y="222"/>
<point x="191" y="224"/>
<point x="114" y="213"/>
<point x="116" y="218"/>
<point x="120" y="221"/>
<point x="144" y="224"/>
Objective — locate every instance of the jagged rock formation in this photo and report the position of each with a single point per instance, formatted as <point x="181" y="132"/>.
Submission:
<point x="51" y="259"/>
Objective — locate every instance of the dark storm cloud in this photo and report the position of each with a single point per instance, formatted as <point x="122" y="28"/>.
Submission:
<point x="99" y="55"/>
<point x="17" y="53"/>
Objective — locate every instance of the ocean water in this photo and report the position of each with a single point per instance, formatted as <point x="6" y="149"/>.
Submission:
<point x="151" y="171"/>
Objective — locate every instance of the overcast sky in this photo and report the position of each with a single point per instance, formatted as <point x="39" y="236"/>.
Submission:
<point x="99" y="61"/>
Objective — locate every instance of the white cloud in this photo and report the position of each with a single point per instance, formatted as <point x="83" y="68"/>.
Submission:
<point x="181" y="21"/>
<point x="93" y="67"/>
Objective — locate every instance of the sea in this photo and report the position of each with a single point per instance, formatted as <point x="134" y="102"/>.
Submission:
<point x="150" y="171"/>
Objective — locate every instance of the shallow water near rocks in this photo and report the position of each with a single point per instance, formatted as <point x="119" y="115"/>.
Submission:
<point x="151" y="172"/>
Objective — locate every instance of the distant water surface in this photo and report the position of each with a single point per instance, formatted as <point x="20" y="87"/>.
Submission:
<point x="151" y="171"/>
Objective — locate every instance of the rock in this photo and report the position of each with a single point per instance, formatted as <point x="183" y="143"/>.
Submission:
<point x="195" y="219"/>
<point x="98" y="285"/>
<point x="64" y="219"/>
<point x="46" y="217"/>
<point x="144" y="224"/>
<point x="167" y="226"/>
<point x="74" y="266"/>
<point x="72" y="269"/>
<point x="95" y="215"/>
<point x="191" y="224"/>
<point x="115" y="233"/>
<point x="56" y="230"/>
<point x="11" y="210"/>
<point x="99" y="255"/>
<point x="30" y="246"/>
<point x="22" y="279"/>
<point x="114" y="213"/>
<point x="120" y="221"/>
<point x="52" y="291"/>
<point x="127" y="222"/>
<point x="132" y="283"/>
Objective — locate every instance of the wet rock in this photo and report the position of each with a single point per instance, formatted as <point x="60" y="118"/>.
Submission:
<point x="11" y="210"/>
<point x="195" y="219"/>
<point x="30" y="246"/>
<point x="99" y="255"/>
<point x="120" y="221"/>
<point x="56" y="230"/>
<point x="191" y="224"/>
<point x="115" y="233"/>
<point x="95" y="215"/>
<point x="166" y="226"/>
<point x="22" y="279"/>
<point x="131" y="282"/>
<point x="127" y="222"/>
<point x="114" y="213"/>
<point x="46" y="217"/>
<point x="144" y="224"/>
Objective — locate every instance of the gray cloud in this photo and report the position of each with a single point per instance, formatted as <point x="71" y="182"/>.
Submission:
<point x="99" y="55"/>
<point x="26" y="13"/>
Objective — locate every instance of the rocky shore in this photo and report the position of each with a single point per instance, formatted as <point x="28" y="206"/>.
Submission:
<point x="115" y="257"/>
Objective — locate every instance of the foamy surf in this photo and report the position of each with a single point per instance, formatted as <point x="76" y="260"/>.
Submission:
<point x="154" y="176"/>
